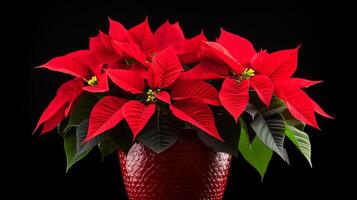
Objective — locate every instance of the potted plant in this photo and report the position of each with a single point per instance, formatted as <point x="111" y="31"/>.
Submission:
<point x="176" y="110"/>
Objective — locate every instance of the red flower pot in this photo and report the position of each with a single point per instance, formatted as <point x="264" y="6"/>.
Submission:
<point x="189" y="170"/>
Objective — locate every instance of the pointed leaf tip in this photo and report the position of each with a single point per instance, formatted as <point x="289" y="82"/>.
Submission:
<point x="137" y="115"/>
<point x="165" y="69"/>
<point x="240" y="48"/>
<point x="197" y="113"/>
<point x="104" y="116"/>
<point x="234" y="96"/>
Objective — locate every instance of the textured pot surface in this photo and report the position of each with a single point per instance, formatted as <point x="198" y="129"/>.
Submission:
<point x="189" y="170"/>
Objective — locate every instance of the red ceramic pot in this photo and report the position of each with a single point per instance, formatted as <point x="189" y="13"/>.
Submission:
<point x="189" y="170"/>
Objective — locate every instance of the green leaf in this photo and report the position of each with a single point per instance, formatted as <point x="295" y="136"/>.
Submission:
<point x="121" y="135"/>
<point x="276" y="106"/>
<point x="229" y="131"/>
<point x="70" y="147"/>
<point x="81" y="133"/>
<point x="107" y="147"/>
<point x="301" y="141"/>
<point x="61" y="127"/>
<point x="75" y="151"/>
<point x="160" y="133"/>
<point x="251" y="110"/>
<point x="118" y="137"/>
<point x="291" y="121"/>
<point x="257" y="154"/>
<point x="271" y="131"/>
<point x="82" y="110"/>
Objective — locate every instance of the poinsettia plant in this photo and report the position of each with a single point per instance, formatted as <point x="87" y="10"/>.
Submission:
<point x="138" y="86"/>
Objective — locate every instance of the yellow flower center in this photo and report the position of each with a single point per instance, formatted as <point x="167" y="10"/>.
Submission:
<point x="151" y="96"/>
<point x="248" y="73"/>
<point x="93" y="81"/>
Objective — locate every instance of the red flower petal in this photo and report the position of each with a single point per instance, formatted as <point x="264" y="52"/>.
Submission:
<point x="234" y="96"/>
<point x="303" y="83"/>
<point x="68" y="110"/>
<point x="75" y="64"/>
<point x="263" y="86"/>
<point x="127" y="80"/>
<point x="206" y="70"/>
<point x="52" y="122"/>
<point x="165" y="69"/>
<point x="66" y="94"/>
<point x="189" y="51"/>
<point x="284" y="63"/>
<point x="104" y="116"/>
<point x="319" y="110"/>
<point x="102" y="85"/>
<point x="55" y="106"/>
<point x="197" y="113"/>
<point x="163" y="96"/>
<point x="117" y="31"/>
<point x="185" y="89"/>
<point x="96" y="42"/>
<point x="131" y="51"/>
<point x="101" y="49"/>
<point x="240" y="48"/>
<point x="277" y="65"/>
<point x="298" y="103"/>
<point x="262" y="64"/>
<point x="71" y="89"/>
<point x="143" y="37"/>
<point x="136" y="67"/>
<point x="96" y="70"/>
<point x="137" y="115"/>
<point x="168" y="34"/>
<point x="117" y="65"/>
<point x="218" y="53"/>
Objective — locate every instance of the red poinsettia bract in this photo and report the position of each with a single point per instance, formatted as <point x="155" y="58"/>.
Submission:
<point x="161" y="76"/>
<point x="266" y="73"/>
<point x="148" y="66"/>
<point x="60" y="106"/>
<point x="153" y="65"/>
<point x="157" y="69"/>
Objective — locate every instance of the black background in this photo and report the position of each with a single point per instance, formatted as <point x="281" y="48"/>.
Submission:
<point x="45" y="30"/>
